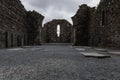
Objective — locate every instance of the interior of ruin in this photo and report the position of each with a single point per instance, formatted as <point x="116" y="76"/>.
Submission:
<point x="92" y="26"/>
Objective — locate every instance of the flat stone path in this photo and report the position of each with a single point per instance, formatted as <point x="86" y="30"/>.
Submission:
<point x="56" y="62"/>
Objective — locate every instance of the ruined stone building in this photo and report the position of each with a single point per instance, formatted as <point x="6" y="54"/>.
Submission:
<point x="91" y="26"/>
<point x="98" y="26"/>
<point x="17" y="26"/>
<point x="50" y="31"/>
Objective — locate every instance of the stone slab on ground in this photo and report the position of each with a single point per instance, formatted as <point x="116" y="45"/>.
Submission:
<point x="86" y="47"/>
<point x="101" y="50"/>
<point x="14" y="49"/>
<point x="115" y="52"/>
<point x="56" y="62"/>
<point x="80" y="49"/>
<point x="94" y="54"/>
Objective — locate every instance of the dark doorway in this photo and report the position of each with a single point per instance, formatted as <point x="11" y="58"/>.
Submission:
<point x="18" y="41"/>
<point x="12" y="40"/>
<point x="103" y="18"/>
<point x="6" y="39"/>
<point x="24" y="40"/>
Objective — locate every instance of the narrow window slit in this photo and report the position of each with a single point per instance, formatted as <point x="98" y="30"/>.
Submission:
<point x="58" y="30"/>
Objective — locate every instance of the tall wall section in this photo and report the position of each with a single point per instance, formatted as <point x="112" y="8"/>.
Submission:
<point x="13" y="24"/>
<point x="101" y="25"/>
<point x="81" y="25"/>
<point x="34" y="27"/>
<point x="105" y="25"/>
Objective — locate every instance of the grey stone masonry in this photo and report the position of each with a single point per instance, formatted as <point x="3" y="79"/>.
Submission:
<point x="14" y="24"/>
<point x="98" y="26"/>
<point x="50" y="31"/>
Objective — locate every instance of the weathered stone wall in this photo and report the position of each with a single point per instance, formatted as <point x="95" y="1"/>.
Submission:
<point x="98" y="26"/>
<point x="34" y="20"/>
<point x="14" y="25"/>
<point x="50" y="31"/>
<point x="105" y="26"/>
<point x="81" y="25"/>
<point x="92" y="26"/>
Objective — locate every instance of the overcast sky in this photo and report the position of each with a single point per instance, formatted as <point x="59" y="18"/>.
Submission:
<point x="57" y="9"/>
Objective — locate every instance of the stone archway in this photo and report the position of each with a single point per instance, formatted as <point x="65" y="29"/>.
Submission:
<point x="51" y="34"/>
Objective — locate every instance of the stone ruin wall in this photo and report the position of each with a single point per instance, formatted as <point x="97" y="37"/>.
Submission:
<point x="103" y="24"/>
<point x="80" y="25"/>
<point x="91" y="26"/>
<point x="50" y="29"/>
<point x="12" y="23"/>
<point x="105" y="27"/>
<point x="34" y="19"/>
<point x="14" y="26"/>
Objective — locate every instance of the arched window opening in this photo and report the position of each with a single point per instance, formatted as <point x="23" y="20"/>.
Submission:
<point x="58" y="30"/>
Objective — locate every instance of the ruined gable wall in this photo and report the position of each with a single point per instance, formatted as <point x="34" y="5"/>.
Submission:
<point x="65" y="31"/>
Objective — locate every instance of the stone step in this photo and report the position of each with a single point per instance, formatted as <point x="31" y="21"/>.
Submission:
<point x="94" y="54"/>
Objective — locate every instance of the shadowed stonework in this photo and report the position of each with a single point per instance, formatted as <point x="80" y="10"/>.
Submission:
<point x="17" y="26"/>
<point x="80" y="25"/>
<point x="50" y="32"/>
<point x="105" y="25"/>
<point x="34" y="20"/>
<point x="98" y="26"/>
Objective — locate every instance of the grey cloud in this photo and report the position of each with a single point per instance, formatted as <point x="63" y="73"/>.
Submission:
<point x="58" y="9"/>
<point x="68" y="5"/>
